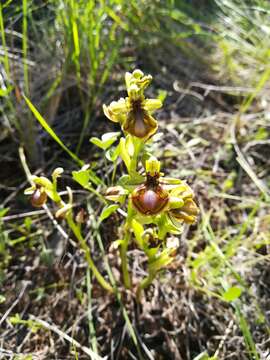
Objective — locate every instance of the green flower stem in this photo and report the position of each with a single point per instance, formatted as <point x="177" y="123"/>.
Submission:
<point x="124" y="262"/>
<point x="138" y="146"/>
<point x="124" y="246"/>
<point x="76" y="231"/>
<point x="145" y="283"/>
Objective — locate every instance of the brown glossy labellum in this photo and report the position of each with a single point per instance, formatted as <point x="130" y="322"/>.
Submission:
<point x="149" y="200"/>
<point x="139" y="123"/>
<point x="38" y="198"/>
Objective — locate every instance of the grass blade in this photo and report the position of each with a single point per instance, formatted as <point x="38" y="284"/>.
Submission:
<point x="3" y="38"/>
<point x="50" y="131"/>
<point x="25" y="47"/>
<point x="247" y="334"/>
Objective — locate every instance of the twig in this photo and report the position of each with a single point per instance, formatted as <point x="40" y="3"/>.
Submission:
<point x="68" y="338"/>
<point x="222" y="342"/>
<point x="224" y="89"/>
<point x="23" y="215"/>
<point x="244" y="163"/>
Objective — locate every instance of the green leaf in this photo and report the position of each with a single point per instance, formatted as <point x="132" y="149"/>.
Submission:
<point x="82" y="177"/>
<point x="205" y="356"/>
<point x="161" y="261"/>
<point x="261" y="134"/>
<point x="107" y="211"/>
<point x="94" y="178"/>
<point x="3" y="212"/>
<point x="50" y="131"/>
<point x="138" y="231"/>
<point x="96" y="141"/>
<point x="32" y="325"/>
<point x="106" y="140"/>
<point x="28" y="223"/>
<point x="232" y="294"/>
<point x="112" y="154"/>
<point x="5" y="92"/>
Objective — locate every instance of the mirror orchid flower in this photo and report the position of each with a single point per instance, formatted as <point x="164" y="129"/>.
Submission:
<point x="134" y="113"/>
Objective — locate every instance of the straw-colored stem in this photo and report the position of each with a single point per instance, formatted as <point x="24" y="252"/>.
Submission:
<point x="124" y="261"/>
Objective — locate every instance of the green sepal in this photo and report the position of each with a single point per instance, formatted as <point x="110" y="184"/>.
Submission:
<point x="42" y="181"/>
<point x="176" y="202"/>
<point x="112" y="153"/>
<point x="130" y="182"/>
<point x="171" y="181"/>
<point x="166" y="226"/>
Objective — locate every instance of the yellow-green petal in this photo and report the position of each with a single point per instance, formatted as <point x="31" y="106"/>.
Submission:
<point x="152" y="104"/>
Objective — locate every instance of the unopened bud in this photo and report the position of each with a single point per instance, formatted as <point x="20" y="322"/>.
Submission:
<point x="81" y="217"/>
<point x="116" y="193"/>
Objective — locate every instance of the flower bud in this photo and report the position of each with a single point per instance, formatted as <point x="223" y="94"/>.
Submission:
<point x="57" y="172"/>
<point x="81" y="216"/>
<point x="187" y="213"/>
<point x="151" y="239"/>
<point x="137" y="74"/>
<point x="63" y="211"/>
<point x="116" y="193"/>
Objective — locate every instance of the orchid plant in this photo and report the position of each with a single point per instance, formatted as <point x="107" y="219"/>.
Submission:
<point x="154" y="207"/>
